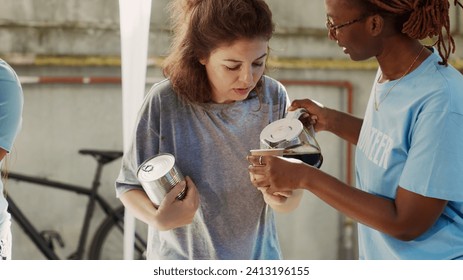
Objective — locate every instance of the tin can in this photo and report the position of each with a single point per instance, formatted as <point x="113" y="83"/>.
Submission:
<point x="158" y="175"/>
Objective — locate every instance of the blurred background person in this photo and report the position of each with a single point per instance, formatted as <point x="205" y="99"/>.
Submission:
<point x="11" y="105"/>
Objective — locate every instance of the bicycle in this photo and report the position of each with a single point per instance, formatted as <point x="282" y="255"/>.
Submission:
<point x="107" y="241"/>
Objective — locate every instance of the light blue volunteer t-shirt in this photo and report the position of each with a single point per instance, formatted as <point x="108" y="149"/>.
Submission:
<point x="11" y="103"/>
<point x="415" y="140"/>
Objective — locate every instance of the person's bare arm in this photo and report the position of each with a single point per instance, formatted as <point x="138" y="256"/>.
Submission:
<point x="2" y="153"/>
<point x="406" y="217"/>
<point x="172" y="213"/>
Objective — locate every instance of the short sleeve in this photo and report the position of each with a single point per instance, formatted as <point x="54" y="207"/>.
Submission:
<point x="435" y="163"/>
<point x="11" y="105"/>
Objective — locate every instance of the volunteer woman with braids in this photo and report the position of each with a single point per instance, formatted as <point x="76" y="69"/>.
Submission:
<point x="409" y="154"/>
<point x="11" y="104"/>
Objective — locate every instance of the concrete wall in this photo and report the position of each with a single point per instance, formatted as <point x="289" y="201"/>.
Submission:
<point x="54" y="38"/>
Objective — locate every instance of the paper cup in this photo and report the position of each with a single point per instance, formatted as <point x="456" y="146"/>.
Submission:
<point x="267" y="152"/>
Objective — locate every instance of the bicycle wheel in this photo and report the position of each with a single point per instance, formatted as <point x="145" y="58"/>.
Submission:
<point x="108" y="241"/>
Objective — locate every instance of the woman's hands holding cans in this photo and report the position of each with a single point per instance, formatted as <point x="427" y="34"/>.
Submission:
<point x="173" y="212"/>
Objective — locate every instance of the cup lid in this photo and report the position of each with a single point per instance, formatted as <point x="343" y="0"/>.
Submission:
<point x="280" y="131"/>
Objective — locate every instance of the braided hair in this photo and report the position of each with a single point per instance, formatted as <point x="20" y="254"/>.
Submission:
<point x="427" y="18"/>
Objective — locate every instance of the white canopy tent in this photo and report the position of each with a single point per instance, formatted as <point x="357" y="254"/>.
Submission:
<point x="134" y="25"/>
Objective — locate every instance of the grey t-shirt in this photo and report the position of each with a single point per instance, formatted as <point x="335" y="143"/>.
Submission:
<point x="210" y="143"/>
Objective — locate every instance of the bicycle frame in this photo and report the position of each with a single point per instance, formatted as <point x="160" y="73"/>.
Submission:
<point x="93" y="198"/>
